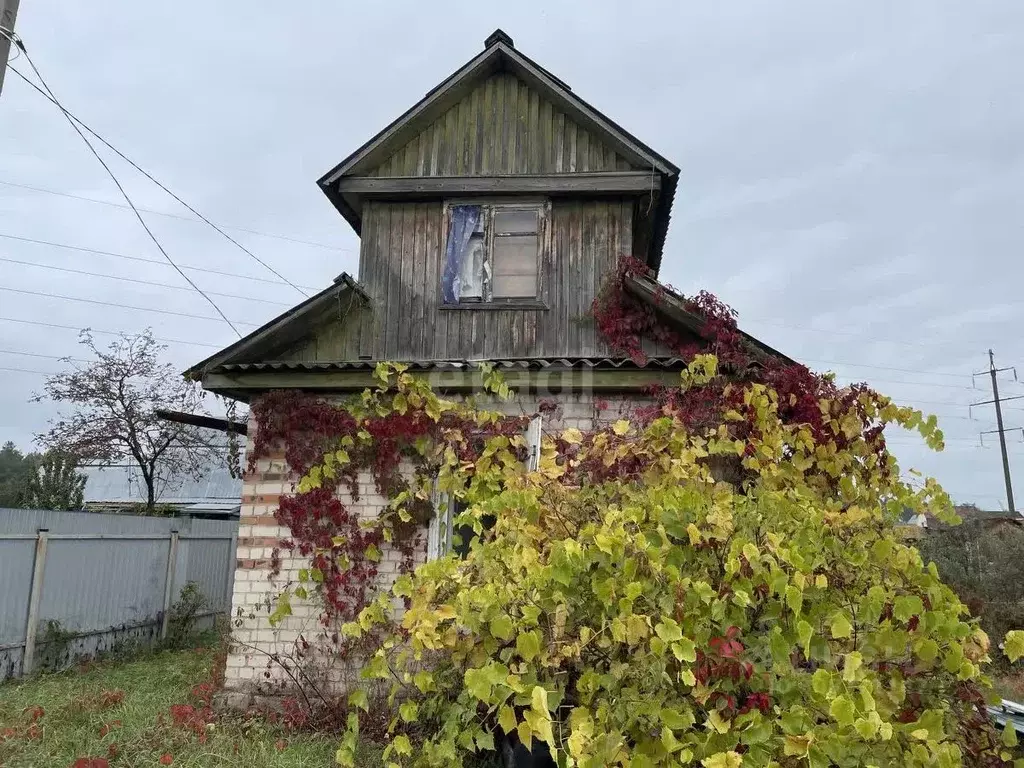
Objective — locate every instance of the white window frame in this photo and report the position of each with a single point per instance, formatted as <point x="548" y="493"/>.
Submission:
<point x="439" y="529"/>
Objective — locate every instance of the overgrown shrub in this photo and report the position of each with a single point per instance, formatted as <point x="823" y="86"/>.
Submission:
<point x="184" y="617"/>
<point x="628" y="608"/>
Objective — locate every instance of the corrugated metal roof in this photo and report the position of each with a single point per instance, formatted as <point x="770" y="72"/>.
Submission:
<point x="528" y="363"/>
<point x="1008" y="711"/>
<point x="123" y="484"/>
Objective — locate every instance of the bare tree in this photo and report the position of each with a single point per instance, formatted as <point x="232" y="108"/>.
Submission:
<point x="112" y="415"/>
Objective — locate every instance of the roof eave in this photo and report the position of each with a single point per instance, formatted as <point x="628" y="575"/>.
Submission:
<point x="303" y="311"/>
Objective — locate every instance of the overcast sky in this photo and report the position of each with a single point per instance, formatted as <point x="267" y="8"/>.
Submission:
<point x="852" y="172"/>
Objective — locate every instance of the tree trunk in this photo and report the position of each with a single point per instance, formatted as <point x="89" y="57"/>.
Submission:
<point x="150" y="490"/>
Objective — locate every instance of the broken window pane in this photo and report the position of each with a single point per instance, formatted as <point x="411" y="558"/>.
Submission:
<point x="466" y="227"/>
<point x="471" y="282"/>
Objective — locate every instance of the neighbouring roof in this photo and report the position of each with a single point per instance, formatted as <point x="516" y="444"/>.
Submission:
<point x="123" y="484"/>
<point x="500" y="55"/>
<point x="288" y="327"/>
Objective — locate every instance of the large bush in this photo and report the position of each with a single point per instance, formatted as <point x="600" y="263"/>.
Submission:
<point x="630" y="607"/>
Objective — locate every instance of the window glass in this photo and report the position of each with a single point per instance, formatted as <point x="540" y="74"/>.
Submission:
<point x="491" y="254"/>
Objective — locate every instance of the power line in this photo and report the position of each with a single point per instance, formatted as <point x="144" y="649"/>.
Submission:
<point x="916" y="383"/>
<point x="77" y="329"/>
<point x="111" y="204"/>
<point x="137" y="280"/>
<point x="117" y="183"/>
<point x="28" y="370"/>
<point x="149" y="176"/>
<point x="888" y="368"/>
<point x="114" y="304"/>
<point x="141" y="258"/>
<point x="49" y="357"/>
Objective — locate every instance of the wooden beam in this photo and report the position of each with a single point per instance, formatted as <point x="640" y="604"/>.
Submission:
<point x="545" y="379"/>
<point x="615" y="182"/>
<point x="207" y="422"/>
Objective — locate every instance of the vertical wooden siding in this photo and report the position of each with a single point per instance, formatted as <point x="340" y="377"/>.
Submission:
<point x="502" y="127"/>
<point x="403" y="260"/>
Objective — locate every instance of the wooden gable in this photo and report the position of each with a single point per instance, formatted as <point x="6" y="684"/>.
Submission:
<point x="503" y="127"/>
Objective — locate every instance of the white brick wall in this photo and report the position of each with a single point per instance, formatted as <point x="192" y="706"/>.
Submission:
<point x="254" y="638"/>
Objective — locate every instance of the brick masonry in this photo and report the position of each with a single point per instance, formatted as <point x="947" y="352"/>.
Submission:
<point x="251" y="671"/>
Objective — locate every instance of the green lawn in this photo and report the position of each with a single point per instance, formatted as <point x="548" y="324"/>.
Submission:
<point x="143" y="713"/>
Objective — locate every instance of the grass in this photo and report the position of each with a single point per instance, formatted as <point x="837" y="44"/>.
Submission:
<point x="122" y="712"/>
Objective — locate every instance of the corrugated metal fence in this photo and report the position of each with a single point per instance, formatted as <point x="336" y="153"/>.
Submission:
<point x="106" y="579"/>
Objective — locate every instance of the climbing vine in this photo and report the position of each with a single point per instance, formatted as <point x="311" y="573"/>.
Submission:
<point x="629" y="608"/>
<point x="406" y="438"/>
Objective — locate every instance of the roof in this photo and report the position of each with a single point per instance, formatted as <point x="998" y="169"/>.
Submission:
<point x="500" y="54"/>
<point x="287" y="327"/>
<point x="122" y="484"/>
<point x="673" y="307"/>
<point x="522" y="364"/>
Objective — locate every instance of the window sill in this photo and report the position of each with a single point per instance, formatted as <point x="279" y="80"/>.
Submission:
<point x="495" y="305"/>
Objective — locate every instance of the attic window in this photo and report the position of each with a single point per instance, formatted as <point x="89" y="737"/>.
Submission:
<point x="492" y="254"/>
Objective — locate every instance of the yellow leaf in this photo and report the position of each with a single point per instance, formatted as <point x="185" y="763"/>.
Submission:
<point x="525" y="733"/>
<point x="797" y="746"/>
<point x="716" y="721"/>
<point x="507" y="719"/>
<point x="572" y="436"/>
<point x="620" y="427"/>
<point x="728" y="759"/>
<point x="539" y="700"/>
<point x="694" y="534"/>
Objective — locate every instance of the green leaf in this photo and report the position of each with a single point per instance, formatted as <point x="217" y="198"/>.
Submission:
<point x="841" y="626"/>
<point x="1013" y="645"/>
<point x="501" y="627"/>
<point x="804" y="632"/>
<point x="852" y="663"/>
<point x="478" y="684"/>
<point x="1009" y="736"/>
<point x="676" y="720"/>
<point x="668" y="630"/>
<point x="927" y="650"/>
<point x="843" y="710"/>
<point x="821" y="681"/>
<point x="402" y="745"/>
<point x="358" y="698"/>
<point x="794" y="598"/>
<point x="409" y="711"/>
<point x="685" y="650"/>
<point x="906" y="607"/>
<point x="779" y="647"/>
<point x="484" y="741"/>
<point x="528" y="645"/>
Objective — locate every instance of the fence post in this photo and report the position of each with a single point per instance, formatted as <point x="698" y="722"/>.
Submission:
<point x="34" y="597"/>
<point x="172" y="557"/>
<point x="229" y="585"/>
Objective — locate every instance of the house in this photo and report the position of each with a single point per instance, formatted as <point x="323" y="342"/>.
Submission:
<point x="489" y="214"/>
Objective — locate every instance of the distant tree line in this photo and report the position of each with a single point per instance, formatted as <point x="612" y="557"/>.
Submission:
<point x="48" y="480"/>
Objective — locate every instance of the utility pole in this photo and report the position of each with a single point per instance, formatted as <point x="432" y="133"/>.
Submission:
<point x="992" y="372"/>
<point x="8" y="14"/>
